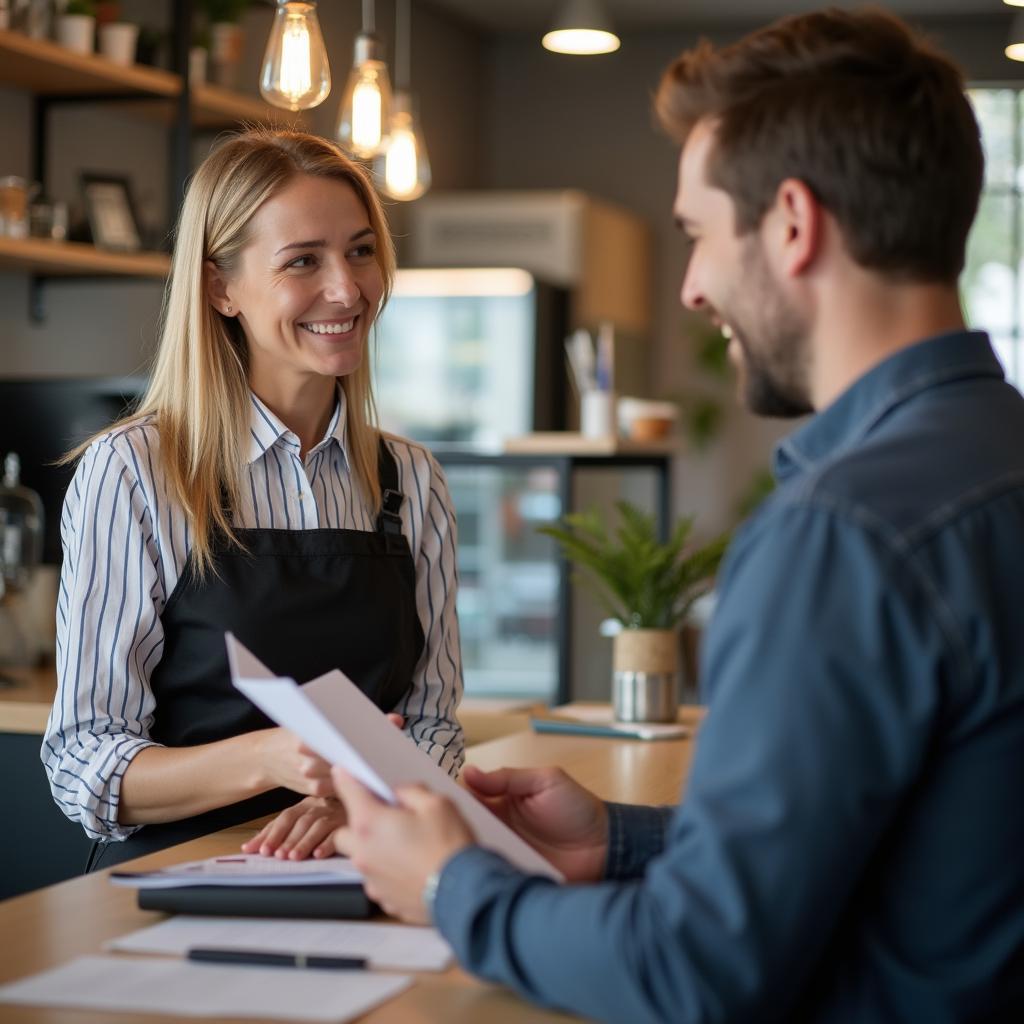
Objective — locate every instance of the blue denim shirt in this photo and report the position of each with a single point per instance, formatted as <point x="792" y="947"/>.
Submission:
<point x="851" y="845"/>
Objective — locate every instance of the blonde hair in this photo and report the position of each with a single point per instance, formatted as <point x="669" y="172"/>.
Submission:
<point x="198" y="394"/>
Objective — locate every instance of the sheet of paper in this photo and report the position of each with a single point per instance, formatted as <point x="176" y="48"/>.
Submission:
<point x="339" y="722"/>
<point x="394" y="946"/>
<point x="151" y="985"/>
<point x="243" y="869"/>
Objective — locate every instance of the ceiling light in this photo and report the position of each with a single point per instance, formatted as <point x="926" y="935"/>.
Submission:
<point x="296" y="74"/>
<point x="1015" y="47"/>
<point x="366" y="106"/>
<point x="582" y="27"/>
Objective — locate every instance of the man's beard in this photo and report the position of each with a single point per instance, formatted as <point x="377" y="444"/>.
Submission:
<point x="773" y="375"/>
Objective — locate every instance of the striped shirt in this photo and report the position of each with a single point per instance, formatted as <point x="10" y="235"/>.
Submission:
<point x="126" y="541"/>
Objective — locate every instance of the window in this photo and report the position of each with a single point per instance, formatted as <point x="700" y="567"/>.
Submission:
<point x="992" y="285"/>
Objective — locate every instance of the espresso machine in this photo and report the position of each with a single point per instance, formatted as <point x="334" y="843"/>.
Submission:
<point x="21" y="542"/>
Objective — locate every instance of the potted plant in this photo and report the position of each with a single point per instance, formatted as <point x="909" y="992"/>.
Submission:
<point x="649" y="587"/>
<point x="226" y="38"/>
<point x="76" y="26"/>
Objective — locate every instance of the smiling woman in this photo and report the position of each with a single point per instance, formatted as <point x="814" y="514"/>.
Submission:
<point x="251" y="492"/>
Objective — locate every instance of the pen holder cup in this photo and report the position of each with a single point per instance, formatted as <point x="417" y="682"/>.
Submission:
<point x="597" y="414"/>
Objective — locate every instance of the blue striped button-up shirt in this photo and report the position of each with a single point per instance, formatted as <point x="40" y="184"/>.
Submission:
<point x="126" y="541"/>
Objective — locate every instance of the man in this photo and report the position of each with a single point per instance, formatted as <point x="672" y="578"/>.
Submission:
<point x="851" y="845"/>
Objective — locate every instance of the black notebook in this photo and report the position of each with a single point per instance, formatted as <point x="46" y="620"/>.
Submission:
<point x="318" y="901"/>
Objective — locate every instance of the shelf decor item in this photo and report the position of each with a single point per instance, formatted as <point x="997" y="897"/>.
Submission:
<point x="119" y="41"/>
<point x="110" y="212"/>
<point x="227" y="39"/>
<point x="649" y="587"/>
<point x="76" y="26"/>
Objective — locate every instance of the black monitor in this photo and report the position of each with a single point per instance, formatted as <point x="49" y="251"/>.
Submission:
<point x="42" y="418"/>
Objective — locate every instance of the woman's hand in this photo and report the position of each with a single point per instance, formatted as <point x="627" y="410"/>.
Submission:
<point x="304" y="830"/>
<point x="284" y="760"/>
<point x="560" y="819"/>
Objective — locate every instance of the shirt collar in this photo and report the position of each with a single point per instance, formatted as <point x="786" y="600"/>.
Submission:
<point x="266" y="430"/>
<point x="852" y="416"/>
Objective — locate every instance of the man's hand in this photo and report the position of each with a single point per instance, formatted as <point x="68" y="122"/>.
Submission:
<point x="303" y="830"/>
<point x="398" y="848"/>
<point x="560" y="819"/>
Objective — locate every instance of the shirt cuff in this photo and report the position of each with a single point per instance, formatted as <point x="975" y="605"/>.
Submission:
<point x="635" y="836"/>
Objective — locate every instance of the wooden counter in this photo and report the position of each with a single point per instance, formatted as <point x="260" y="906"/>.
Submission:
<point x="25" y="706"/>
<point x="48" y="927"/>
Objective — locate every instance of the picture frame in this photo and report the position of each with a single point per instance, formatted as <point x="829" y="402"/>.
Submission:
<point x="110" y="211"/>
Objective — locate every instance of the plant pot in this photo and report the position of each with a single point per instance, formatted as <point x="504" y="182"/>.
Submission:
<point x="197" y="64"/>
<point x="227" y="41"/>
<point x="118" y="42"/>
<point x="645" y="675"/>
<point x="77" y="32"/>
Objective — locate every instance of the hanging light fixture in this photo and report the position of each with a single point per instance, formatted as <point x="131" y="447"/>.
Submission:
<point x="582" y="27"/>
<point x="1015" y="47"/>
<point x="406" y="167"/>
<point x="366" y="106"/>
<point x="296" y="74"/>
<point x="1014" y="3"/>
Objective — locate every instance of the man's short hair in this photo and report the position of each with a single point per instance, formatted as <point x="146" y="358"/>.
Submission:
<point x="866" y="113"/>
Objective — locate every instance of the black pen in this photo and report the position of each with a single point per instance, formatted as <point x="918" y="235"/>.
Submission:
<point x="254" y="958"/>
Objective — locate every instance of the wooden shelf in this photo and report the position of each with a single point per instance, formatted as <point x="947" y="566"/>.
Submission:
<point x="46" y="69"/>
<point x="42" y="256"/>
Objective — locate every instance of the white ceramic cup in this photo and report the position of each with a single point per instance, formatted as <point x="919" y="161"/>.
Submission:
<point x="118" y="41"/>
<point x="76" y="32"/>
<point x="597" y="414"/>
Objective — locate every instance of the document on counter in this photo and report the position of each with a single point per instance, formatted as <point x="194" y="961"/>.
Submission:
<point x="186" y="989"/>
<point x="389" y="946"/>
<point x="337" y="720"/>
<point x="243" y="869"/>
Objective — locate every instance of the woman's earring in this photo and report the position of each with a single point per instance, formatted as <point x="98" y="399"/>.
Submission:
<point x="230" y="310"/>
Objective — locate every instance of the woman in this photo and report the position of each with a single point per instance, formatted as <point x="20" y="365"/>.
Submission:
<point x="251" y="492"/>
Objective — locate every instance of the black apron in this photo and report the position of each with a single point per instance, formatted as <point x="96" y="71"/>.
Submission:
<point x="304" y="602"/>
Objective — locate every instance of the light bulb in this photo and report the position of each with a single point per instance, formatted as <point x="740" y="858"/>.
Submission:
<point x="406" y="168"/>
<point x="366" y="106"/>
<point x="580" y="41"/>
<point x="296" y="74"/>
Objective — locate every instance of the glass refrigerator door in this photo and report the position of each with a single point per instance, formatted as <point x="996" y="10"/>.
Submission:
<point x="454" y="359"/>
<point x="508" y="579"/>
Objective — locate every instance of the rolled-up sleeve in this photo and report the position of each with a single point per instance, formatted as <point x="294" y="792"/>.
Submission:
<point x="824" y="658"/>
<point x="109" y="638"/>
<point x="432" y="702"/>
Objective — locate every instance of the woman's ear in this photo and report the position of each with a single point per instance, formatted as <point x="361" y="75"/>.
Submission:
<point x="217" y="289"/>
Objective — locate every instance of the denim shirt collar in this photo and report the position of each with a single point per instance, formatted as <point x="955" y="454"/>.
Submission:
<point x="851" y="417"/>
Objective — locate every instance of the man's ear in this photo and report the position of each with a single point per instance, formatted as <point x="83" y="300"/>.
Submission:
<point x="217" y="289"/>
<point x="795" y="225"/>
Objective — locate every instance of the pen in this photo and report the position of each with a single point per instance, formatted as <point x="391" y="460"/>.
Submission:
<point x="254" y="958"/>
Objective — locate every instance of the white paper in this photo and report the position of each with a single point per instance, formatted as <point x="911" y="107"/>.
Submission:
<point x="243" y="869"/>
<point x="185" y="989"/>
<point x="393" y="946"/>
<point x="339" y="722"/>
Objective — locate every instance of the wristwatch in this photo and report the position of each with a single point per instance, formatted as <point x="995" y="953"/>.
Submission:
<point x="430" y="891"/>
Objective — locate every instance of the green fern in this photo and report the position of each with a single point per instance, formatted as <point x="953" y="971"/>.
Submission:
<point x="641" y="581"/>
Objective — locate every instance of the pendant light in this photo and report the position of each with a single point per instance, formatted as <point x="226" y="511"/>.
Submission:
<point x="296" y="74"/>
<point x="366" y="106"/>
<point x="406" y="167"/>
<point x="582" y="27"/>
<point x="1015" y="47"/>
